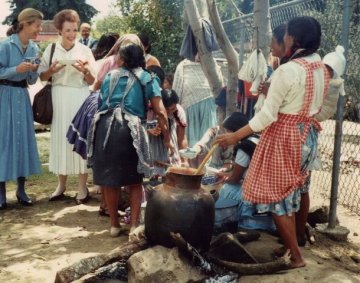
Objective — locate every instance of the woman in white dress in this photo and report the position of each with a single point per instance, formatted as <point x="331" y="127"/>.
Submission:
<point x="71" y="71"/>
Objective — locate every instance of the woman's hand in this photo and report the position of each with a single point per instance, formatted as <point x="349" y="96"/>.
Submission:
<point x="25" y="67"/>
<point x="56" y="67"/>
<point x="170" y="147"/>
<point x="227" y="139"/>
<point x="232" y="138"/>
<point x="264" y="88"/>
<point x="155" y="131"/>
<point x="81" y="66"/>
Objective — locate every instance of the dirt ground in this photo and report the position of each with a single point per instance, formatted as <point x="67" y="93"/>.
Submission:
<point x="37" y="241"/>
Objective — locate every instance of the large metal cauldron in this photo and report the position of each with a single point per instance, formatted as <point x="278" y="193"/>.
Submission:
<point x="180" y="205"/>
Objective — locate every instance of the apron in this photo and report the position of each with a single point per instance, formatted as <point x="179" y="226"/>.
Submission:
<point x="275" y="169"/>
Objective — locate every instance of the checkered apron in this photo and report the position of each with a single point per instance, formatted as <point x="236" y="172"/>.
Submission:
<point x="275" y="169"/>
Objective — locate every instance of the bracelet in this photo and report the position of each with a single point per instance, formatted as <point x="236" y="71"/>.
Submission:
<point x="86" y="73"/>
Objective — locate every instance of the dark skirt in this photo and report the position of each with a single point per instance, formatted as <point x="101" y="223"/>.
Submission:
<point x="116" y="164"/>
<point x="80" y="125"/>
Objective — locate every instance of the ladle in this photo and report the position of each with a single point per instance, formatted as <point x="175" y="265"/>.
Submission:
<point x="207" y="157"/>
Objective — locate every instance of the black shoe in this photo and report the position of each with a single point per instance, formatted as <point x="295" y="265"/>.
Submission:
<point x="23" y="201"/>
<point x="83" y="200"/>
<point x="3" y="206"/>
<point x="103" y="212"/>
<point x="57" y="198"/>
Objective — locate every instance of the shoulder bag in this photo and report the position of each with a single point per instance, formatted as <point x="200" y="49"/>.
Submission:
<point x="42" y="106"/>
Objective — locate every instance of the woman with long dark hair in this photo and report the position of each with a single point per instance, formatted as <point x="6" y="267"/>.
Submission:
<point x="118" y="144"/>
<point x="18" y="67"/>
<point x="289" y="139"/>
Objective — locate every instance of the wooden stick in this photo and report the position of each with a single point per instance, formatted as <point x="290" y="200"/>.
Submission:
<point x="207" y="157"/>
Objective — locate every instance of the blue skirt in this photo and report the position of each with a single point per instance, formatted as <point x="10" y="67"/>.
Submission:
<point x="80" y="125"/>
<point x="200" y="117"/>
<point x="18" y="151"/>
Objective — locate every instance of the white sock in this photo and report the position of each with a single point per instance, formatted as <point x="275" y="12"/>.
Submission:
<point x="82" y="193"/>
<point x="59" y="190"/>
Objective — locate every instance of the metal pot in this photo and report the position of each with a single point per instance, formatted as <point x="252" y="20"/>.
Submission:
<point x="182" y="206"/>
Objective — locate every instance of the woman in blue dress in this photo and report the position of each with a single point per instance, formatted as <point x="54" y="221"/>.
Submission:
<point x="18" y="68"/>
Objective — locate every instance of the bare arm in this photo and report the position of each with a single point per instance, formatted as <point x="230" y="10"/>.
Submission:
<point x="181" y="137"/>
<point x="162" y="118"/>
<point x="236" y="174"/>
<point x="54" y="68"/>
<point x="232" y="138"/>
<point x="97" y="85"/>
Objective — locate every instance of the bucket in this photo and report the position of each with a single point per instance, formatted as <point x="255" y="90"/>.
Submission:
<point x="226" y="216"/>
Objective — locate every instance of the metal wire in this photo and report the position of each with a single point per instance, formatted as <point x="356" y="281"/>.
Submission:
<point x="331" y="18"/>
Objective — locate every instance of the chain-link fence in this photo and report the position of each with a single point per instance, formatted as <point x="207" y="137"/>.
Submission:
<point x="329" y="13"/>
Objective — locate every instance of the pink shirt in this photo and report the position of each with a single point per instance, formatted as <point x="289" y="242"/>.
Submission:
<point x="109" y="63"/>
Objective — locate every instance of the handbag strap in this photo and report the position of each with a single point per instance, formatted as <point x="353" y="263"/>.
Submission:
<point x="51" y="56"/>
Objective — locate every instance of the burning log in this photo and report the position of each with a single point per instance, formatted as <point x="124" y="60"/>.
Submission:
<point x="280" y="264"/>
<point x="91" y="264"/>
<point x="189" y="250"/>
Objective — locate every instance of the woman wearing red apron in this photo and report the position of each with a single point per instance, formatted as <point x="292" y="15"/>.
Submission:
<point x="288" y="142"/>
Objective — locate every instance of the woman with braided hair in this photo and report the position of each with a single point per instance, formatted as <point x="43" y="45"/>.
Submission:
<point x="289" y="139"/>
<point x="118" y="148"/>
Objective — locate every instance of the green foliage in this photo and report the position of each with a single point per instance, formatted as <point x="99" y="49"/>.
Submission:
<point x="50" y="7"/>
<point x="159" y="19"/>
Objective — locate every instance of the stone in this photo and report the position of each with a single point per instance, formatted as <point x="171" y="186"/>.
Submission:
<point x="339" y="233"/>
<point x="319" y="214"/>
<point x="159" y="264"/>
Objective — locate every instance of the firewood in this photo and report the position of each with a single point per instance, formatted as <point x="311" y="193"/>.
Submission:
<point x="191" y="252"/>
<point x="90" y="264"/>
<point x="280" y="264"/>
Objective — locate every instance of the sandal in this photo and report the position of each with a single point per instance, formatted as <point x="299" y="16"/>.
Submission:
<point x="104" y="212"/>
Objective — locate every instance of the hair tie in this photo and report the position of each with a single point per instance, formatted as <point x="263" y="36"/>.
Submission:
<point x="14" y="22"/>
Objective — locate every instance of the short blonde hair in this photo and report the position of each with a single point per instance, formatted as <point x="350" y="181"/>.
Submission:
<point x="28" y="15"/>
<point x="67" y="15"/>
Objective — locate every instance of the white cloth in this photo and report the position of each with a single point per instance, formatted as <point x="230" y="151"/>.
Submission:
<point x="68" y="76"/>
<point x="242" y="158"/>
<point x="328" y="109"/>
<point x="66" y="102"/>
<point x="286" y="93"/>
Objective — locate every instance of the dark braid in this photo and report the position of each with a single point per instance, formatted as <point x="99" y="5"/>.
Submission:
<point x="143" y="90"/>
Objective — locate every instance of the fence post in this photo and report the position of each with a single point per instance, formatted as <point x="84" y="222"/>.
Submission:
<point x="339" y="122"/>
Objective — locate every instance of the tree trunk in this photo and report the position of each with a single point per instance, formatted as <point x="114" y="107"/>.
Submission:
<point x="262" y="26"/>
<point x="208" y="64"/>
<point x="231" y="57"/>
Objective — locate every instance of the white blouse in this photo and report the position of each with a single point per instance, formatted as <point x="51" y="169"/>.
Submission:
<point x="68" y="76"/>
<point x="286" y="93"/>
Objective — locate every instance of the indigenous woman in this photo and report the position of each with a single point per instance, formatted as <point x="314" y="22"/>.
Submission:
<point x="118" y="145"/>
<point x="287" y="145"/>
<point x="18" y="68"/>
